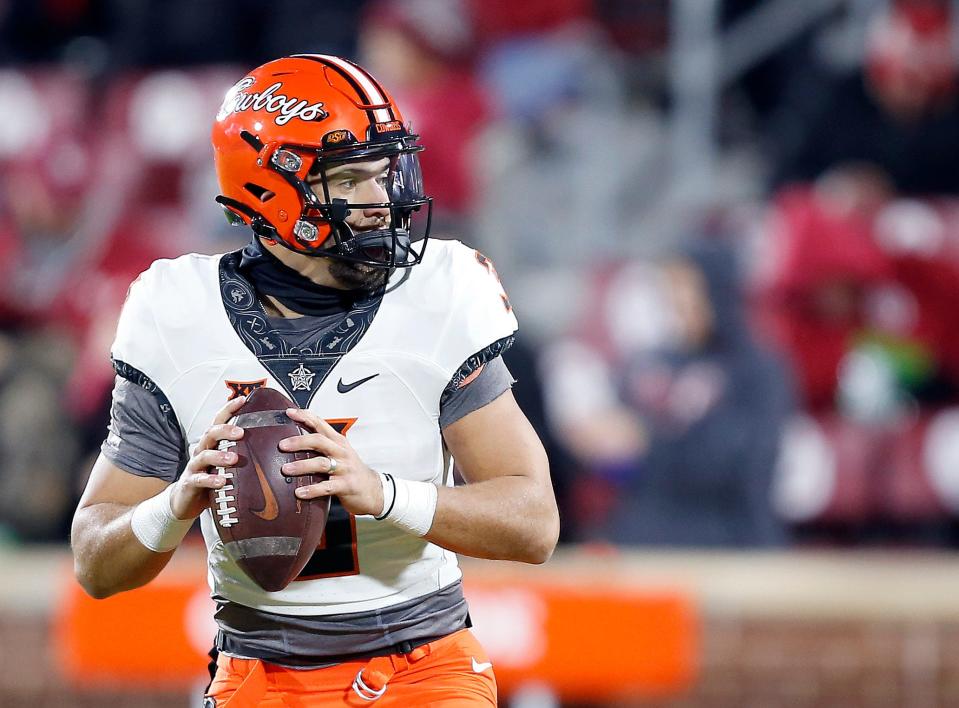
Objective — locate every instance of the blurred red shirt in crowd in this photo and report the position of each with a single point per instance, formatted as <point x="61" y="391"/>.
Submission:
<point x="424" y="52"/>
<point x="909" y="63"/>
<point x="845" y="265"/>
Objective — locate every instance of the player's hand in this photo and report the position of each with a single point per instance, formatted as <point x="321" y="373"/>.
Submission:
<point x="357" y="486"/>
<point x="190" y="492"/>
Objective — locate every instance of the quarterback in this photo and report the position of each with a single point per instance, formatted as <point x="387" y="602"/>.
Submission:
<point x="391" y="350"/>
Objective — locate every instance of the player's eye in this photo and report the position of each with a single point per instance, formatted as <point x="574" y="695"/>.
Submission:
<point x="381" y="180"/>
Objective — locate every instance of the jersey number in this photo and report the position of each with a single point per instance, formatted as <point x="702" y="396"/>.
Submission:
<point x="491" y="269"/>
<point x="336" y="554"/>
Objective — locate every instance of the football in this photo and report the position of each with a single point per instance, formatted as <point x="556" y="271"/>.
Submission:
<point x="265" y="528"/>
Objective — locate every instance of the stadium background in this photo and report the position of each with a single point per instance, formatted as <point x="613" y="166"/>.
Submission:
<point x="731" y="234"/>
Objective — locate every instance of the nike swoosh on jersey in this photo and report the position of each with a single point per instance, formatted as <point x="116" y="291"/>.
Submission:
<point x="346" y="388"/>
<point x="270" y="508"/>
<point x="479" y="668"/>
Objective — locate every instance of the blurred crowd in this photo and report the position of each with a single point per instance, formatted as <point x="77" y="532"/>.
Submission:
<point x="774" y="364"/>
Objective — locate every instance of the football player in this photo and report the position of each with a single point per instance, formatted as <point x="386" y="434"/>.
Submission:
<point x="391" y="349"/>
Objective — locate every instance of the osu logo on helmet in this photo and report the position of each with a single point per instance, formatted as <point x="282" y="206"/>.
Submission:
<point x="291" y="119"/>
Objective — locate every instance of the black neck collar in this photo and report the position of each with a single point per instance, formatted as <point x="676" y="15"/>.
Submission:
<point x="272" y="277"/>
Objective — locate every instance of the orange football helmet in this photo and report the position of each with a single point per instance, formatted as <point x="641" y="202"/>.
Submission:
<point x="290" y="119"/>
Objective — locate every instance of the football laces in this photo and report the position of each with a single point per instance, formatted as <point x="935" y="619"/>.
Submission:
<point x="223" y="498"/>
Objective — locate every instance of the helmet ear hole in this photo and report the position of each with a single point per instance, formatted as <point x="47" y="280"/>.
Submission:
<point x="261" y="193"/>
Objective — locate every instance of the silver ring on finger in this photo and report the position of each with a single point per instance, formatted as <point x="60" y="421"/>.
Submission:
<point x="332" y="462"/>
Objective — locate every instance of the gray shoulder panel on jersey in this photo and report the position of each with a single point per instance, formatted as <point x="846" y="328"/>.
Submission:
<point x="487" y="353"/>
<point x="493" y="381"/>
<point x="137" y="377"/>
<point x="143" y="437"/>
<point x="312" y="642"/>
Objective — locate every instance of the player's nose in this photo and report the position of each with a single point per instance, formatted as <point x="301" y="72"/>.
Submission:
<point x="376" y="212"/>
<point x="374" y="192"/>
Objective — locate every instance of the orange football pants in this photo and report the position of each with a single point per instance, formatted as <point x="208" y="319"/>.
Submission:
<point x="452" y="672"/>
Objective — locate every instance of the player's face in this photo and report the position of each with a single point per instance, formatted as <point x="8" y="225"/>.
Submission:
<point x="358" y="182"/>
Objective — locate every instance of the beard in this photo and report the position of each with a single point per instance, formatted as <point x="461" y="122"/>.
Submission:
<point x="358" y="276"/>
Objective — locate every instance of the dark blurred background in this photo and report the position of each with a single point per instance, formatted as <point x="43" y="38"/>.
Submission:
<point x="729" y="228"/>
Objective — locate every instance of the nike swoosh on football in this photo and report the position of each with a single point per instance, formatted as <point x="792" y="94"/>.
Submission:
<point x="479" y="668"/>
<point x="346" y="388"/>
<point x="270" y="508"/>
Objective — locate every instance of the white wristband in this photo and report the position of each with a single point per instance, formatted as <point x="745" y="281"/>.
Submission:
<point x="408" y="505"/>
<point x="154" y="524"/>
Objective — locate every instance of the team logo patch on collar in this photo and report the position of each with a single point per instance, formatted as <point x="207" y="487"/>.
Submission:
<point x="243" y="388"/>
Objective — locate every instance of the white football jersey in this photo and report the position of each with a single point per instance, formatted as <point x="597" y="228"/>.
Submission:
<point x="193" y="328"/>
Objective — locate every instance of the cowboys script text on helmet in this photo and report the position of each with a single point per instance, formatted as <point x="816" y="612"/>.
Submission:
<point x="288" y="108"/>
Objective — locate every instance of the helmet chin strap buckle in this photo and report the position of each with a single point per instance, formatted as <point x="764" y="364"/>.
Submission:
<point x="305" y="231"/>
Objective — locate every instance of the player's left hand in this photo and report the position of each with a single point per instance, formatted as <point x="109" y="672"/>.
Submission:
<point x="357" y="486"/>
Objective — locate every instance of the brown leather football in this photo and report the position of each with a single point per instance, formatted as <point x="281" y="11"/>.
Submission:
<point x="265" y="528"/>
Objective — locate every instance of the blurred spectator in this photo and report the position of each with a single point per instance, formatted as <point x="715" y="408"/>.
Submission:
<point x="45" y="167"/>
<point x="898" y="115"/>
<point x="857" y="278"/>
<point x="92" y="192"/>
<point x="688" y="432"/>
<point x="818" y="261"/>
<point x="40" y="214"/>
<point x="859" y="290"/>
<point x="423" y="50"/>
